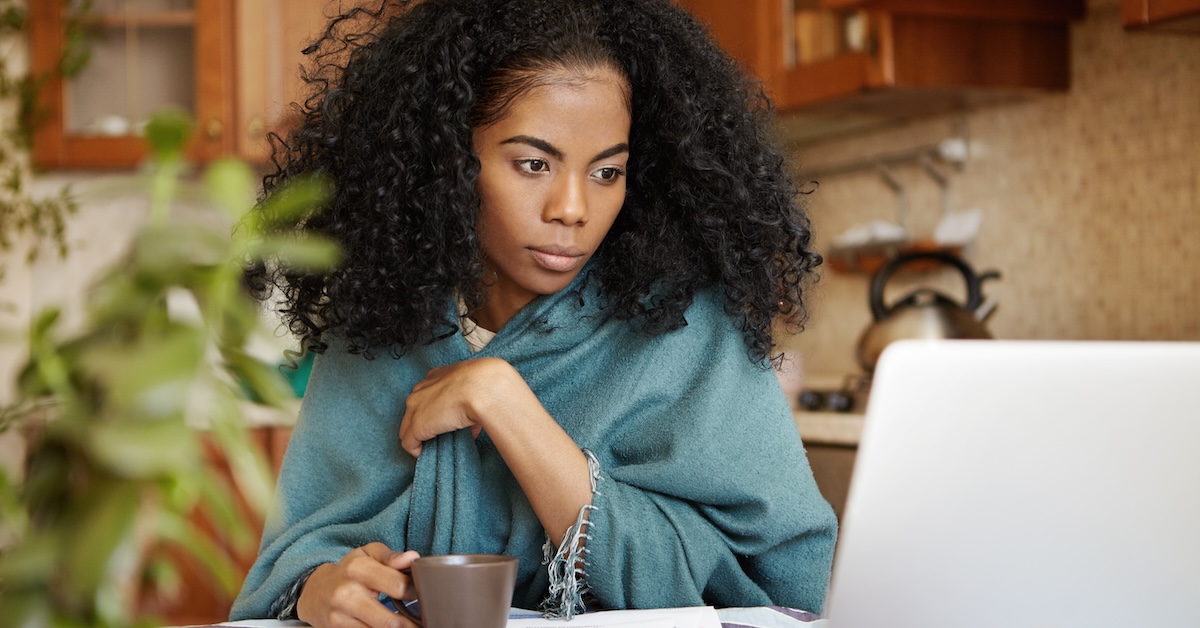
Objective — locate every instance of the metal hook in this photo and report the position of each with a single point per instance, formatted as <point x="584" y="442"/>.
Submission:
<point x="942" y="180"/>
<point x="901" y="195"/>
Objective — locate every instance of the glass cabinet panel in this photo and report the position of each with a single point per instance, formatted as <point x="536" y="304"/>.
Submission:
<point x="142" y="60"/>
<point x="816" y="34"/>
<point x="145" y="56"/>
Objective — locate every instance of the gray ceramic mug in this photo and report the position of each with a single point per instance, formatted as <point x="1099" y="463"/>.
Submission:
<point x="463" y="590"/>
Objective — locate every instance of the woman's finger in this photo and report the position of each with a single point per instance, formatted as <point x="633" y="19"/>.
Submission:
<point x="406" y="428"/>
<point x="402" y="560"/>
<point x="430" y="377"/>
<point x="372" y="570"/>
<point x="345" y="621"/>
<point x="412" y="445"/>
<point x="379" y="616"/>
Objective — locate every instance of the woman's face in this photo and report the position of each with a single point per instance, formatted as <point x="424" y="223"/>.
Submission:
<point x="551" y="182"/>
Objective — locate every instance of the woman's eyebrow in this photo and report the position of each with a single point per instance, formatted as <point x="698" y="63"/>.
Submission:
<point x="615" y="150"/>
<point x="552" y="150"/>
<point x="540" y="144"/>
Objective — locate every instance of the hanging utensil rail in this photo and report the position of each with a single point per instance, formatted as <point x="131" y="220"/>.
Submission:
<point x="951" y="150"/>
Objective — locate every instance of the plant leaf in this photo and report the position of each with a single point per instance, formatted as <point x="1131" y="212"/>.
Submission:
<point x="152" y="377"/>
<point x="216" y="560"/>
<point x="170" y="253"/>
<point x="262" y="382"/>
<point x="299" y="198"/>
<point x="103" y="522"/>
<point x="30" y="562"/>
<point x="230" y="183"/>
<point x="309" y="253"/>
<point x="247" y="463"/>
<point x="168" y="131"/>
<point x="141" y="449"/>
<point x="24" y="609"/>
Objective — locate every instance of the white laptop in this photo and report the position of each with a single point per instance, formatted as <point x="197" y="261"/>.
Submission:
<point x="1025" y="483"/>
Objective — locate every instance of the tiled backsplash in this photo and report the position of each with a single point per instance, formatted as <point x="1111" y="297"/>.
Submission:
<point x="1091" y="201"/>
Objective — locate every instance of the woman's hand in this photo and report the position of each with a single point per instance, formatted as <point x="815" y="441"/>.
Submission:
<point x="489" y="394"/>
<point x="458" y="396"/>
<point x="347" y="594"/>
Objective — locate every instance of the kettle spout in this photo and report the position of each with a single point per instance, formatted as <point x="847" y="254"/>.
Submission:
<point x="988" y="307"/>
<point x="985" y="311"/>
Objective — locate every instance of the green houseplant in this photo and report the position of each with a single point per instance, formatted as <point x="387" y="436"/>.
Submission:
<point x="20" y="212"/>
<point x="116" y="470"/>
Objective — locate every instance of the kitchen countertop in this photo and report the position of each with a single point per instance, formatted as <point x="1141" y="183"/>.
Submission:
<point x="829" y="428"/>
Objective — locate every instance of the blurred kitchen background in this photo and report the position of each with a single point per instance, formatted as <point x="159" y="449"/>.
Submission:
<point x="1090" y="198"/>
<point x="1056" y="142"/>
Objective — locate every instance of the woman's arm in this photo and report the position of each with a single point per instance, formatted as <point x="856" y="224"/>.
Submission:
<point x="341" y="472"/>
<point x="488" y="394"/>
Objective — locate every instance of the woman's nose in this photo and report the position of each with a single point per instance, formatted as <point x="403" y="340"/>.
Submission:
<point x="567" y="202"/>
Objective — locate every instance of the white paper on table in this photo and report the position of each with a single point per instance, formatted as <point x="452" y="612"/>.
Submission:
<point x="259" y="623"/>
<point x="685" y="617"/>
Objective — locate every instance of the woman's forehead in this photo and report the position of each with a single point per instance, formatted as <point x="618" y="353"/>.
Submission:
<point x="584" y="115"/>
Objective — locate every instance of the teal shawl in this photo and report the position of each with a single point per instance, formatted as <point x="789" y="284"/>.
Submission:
<point x="704" y="495"/>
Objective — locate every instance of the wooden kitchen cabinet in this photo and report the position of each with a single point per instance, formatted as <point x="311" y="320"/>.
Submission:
<point x="1168" y="15"/>
<point x="145" y="55"/>
<point x="834" y="66"/>
<point x="233" y="65"/>
<point x="270" y="35"/>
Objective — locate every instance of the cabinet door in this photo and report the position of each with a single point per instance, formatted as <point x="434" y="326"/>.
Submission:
<point x="749" y="30"/>
<point x="146" y="55"/>
<point x="839" y="66"/>
<point x="1174" y="15"/>
<point x="270" y="35"/>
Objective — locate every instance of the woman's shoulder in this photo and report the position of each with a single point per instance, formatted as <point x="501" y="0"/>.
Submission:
<point x="344" y="359"/>
<point x="708" y="328"/>
<point x="709" y="311"/>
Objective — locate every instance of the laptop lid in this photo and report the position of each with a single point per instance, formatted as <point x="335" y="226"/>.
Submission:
<point x="1025" y="483"/>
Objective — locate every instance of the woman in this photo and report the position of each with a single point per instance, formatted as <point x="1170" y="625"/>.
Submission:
<point x="566" y="241"/>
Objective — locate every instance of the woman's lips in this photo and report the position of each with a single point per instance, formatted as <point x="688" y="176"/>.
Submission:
<point x="558" y="259"/>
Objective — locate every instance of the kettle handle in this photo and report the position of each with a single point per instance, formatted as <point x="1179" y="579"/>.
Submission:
<point x="974" y="291"/>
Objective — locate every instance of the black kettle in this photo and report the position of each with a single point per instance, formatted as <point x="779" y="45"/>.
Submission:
<point x="924" y="313"/>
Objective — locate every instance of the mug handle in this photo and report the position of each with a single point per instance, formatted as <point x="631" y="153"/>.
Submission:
<point x="403" y="610"/>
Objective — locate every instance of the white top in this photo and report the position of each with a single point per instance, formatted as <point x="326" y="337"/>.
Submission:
<point x="476" y="336"/>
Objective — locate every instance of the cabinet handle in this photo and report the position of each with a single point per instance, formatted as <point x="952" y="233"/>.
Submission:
<point x="213" y="129"/>
<point x="256" y="127"/>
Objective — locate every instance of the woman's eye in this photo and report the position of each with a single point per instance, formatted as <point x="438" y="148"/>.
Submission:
<point x="533" y="166"/>
<point x="609" y="174"/>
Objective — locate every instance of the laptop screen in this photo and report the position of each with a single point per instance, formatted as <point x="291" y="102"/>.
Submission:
<point x="1025" y="483"/>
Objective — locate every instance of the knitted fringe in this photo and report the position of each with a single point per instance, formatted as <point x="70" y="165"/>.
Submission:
<point x="284" y="606"/>
<point x="567" y="564"/>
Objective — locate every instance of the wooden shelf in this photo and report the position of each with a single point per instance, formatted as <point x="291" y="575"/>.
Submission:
<point x="920" y="66"/>
<point x="1181" y="16"/>
<point x="897" y="59"/>
<point x="868" y="259"/>
<point x="1008" y="10"/>
<point x="155" y="19"/>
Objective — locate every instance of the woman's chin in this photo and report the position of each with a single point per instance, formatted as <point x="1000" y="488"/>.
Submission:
<point x="550" y="282"/>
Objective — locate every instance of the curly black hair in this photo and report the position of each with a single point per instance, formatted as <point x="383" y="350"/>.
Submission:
<point x="397" y="89"/>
